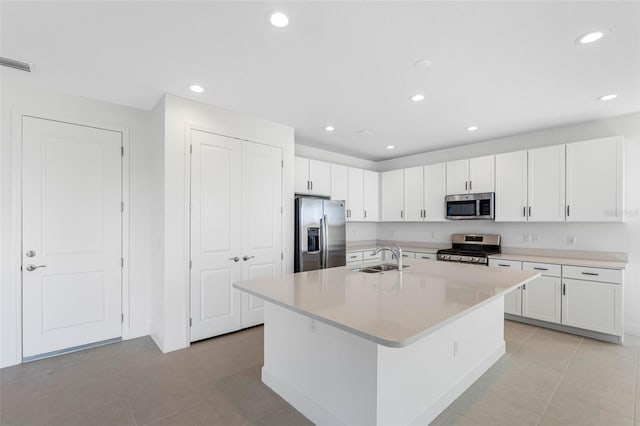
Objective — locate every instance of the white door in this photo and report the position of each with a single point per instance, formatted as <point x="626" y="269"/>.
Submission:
<point x="371" y="194"/>
<point x="339" y="183"/>
<point x="592" y="305"/>
<point x="301" y="183"/>
<point x="541" y="299"/>
<point x="355" y="206"/>
<point x="72" y="233"/>
<point x="595" y="180"/>
<point x="546" y="190"/>
<point x="457" y="177"/>
<point x="435" y="189"/>
<point x="392" y="197"/>
<point x="216" y="185"/>
<point x="513" y="302"/>
<point x="511" y="187"/>
<point x="413" y="193"/>
<point x="482" y="174"/>
<point x="320" y="178"/>
<point x="261" y="221"/>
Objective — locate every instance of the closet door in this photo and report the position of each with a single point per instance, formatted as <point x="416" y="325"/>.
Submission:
<point x="261" y="221"/>
<point x="216" y="176"/>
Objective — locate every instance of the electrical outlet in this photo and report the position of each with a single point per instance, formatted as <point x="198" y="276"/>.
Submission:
<point x="571" y="240"/>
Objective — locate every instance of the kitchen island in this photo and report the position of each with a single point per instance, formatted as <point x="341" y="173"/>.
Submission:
<point x="391" y="348"/>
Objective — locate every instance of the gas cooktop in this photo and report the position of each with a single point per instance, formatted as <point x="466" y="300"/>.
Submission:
<point x="471" y="248"/>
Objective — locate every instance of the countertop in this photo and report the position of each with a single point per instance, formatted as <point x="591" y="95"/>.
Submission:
<point x="392" y="308"/>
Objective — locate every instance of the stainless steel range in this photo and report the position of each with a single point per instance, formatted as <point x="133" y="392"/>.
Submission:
<point x="471" y="248"/>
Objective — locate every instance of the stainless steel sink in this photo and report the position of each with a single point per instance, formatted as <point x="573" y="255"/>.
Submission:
<point x="375" y="269"/>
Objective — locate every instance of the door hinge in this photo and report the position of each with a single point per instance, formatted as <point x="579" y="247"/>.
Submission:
<point x="122" y="151"/>
<point x="190" y="322"/>
<point x="190" y="264"/>
<point x="122" y="318"/>
<point x="191" y="149"/>
<point x="122" y="262"/>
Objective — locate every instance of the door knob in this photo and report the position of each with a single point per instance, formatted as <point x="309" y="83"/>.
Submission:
<point x="247" y="257"/>
<point x="34" y="267"/>
<point x="235" y="259"/>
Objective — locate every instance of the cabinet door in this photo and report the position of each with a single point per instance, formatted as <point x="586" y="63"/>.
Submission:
<point x="595" y="180"/>
<point x="339" y="182"/>
<point x="546" y="184"/>
<point x="511" y="187"/>
<point x="457" y="177"/>
<point x="592" y="305"/>
<point x="482" y="174"/>
<point x="513" y="302"/>
<point x="435" y="188"/>
<point x="355" y="199"/>
<point x="371" y="196"/>
<point x="413" y="193"/>
<point x="320" y="177"/>
<point x="301" y="184"/>
<point x="392" y="199"/>
<point x="541" y="299"/>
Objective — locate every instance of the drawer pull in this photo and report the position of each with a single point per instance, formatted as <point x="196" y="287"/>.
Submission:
<point x="540" y="269"/>
<point x="591" y="273"/>
<point x="425" y="257"/>
<point x="564" y="289"/>
<point x="353" y="257"/>
<point x="502" y="264"/>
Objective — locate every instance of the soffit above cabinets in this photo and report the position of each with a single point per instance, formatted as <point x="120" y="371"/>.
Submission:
<point x="506" y="67"/>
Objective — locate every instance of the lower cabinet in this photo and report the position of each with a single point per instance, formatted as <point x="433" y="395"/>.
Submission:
<point x="541" y="298"/>
<point x="359" y="256"/>
<point x="592" y="305"/>
<point x="513" y="299"/>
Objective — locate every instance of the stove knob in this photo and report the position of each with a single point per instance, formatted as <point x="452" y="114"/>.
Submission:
<point x="474" y="259"/>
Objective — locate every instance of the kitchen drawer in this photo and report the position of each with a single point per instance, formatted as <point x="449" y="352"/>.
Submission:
<point x="371" y="255"/>
<point x="409" y="254"/>
<point x="426" y="256"/>
<point x="545" y="269"/>
<point x="515" y="264"/>
<point x="592" y="274"/>
<point x="354" y="256"/>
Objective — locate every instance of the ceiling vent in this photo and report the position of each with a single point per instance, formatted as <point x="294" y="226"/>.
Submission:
<point x="12" y="63"/>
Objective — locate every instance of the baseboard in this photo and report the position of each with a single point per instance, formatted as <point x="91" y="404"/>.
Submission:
<point x="632" y="328"/>
<point x="611" y="338"/>
<point x="438" y="406"/>
<point x="139" y="331"/>
<point x="299" y="401"/>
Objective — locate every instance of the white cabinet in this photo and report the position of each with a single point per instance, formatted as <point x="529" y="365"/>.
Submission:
<point x="413" y="194"/>
<point x="595" y="180"/>
<point x="513" y="299"/>
<point x="312" y="177"/>
<point x="592" y="305"/>
<point x="354" y="257"/>
<point x="426" y="255"/>
<point x="339" y="183"/>
<point x="471" y="176"/>
<point x="541" y="298"/>
<point x="371" y="194"/>
<point x="392" y="185"/>
<point x="355" y="199"/>
<point x="546" y="179"/>
<point x="511" y="187"/>
<point x="357" y="257"/>
<point x="435" y="188"/>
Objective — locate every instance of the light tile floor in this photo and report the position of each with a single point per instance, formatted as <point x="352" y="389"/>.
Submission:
<point x="546" y="378"/>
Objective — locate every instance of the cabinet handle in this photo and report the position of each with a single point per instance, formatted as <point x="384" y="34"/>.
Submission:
<point x="564" y="289"/>
<point x="568" y="211"/>
<point x="524" y="211"/>
<point x="365" y="214"/>
<point x="541" y="269"/>
<point x="502" y="264"/>
<point x="348" y="213"/>
<point x="401" y="214"/>
<point x="529" y="211"/>
<point x="590" y="273"/>
<point x="470" y="185"/>
<point x="311" y="185"/>
<point x="466" y="183"/>
<point x="308" y="185"/>
<point x="353" y="257"/>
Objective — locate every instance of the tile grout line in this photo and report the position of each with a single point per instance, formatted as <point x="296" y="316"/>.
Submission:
<point x="525" y="340"/>
<point x="564" y="373"/>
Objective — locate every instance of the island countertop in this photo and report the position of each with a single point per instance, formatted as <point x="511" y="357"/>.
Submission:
<point x="391" y="308"/>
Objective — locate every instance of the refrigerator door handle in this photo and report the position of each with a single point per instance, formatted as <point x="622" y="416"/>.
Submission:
<point x="325" y="245"/>
<point x="322" y="238"/>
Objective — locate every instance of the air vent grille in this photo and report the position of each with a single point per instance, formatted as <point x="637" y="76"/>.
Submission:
<point x="12" y="63"/>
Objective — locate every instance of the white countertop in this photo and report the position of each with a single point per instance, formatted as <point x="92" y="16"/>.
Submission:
<point x="391" y="308"/>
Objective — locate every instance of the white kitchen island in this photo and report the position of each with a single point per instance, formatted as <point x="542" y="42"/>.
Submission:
<point x="392" y="348"/>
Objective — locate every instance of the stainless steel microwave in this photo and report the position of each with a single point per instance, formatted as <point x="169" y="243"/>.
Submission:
<point x="470" y="206"/>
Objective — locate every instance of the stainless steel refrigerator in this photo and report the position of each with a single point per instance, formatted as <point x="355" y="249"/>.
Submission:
<point x="320" y="234"/>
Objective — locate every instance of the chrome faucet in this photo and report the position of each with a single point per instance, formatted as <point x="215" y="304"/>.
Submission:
<point x="397" y="252"/>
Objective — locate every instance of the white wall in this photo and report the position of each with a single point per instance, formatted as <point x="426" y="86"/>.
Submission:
<point x="618" y="237"/>
<point x="302" y="150"/>
<point x="19" y="98"/>
<point x="171" y="330"/>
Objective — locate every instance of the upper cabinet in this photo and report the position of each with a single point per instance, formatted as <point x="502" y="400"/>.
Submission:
<point x="471" y="176"/>
<point x="312" y="177"/>
<point x="361" y="191"/>
<point x="595" y="180"/>
<point x="424" y="191"/>
<point x="392" y="188"/>
<point x="371" y="194"/>
<point x="511" y="187"/>
<point x="355" y="200"/>
<point x="546" y="184"/>
<point x="339" y="182"/>
<point x="413" y="194"/>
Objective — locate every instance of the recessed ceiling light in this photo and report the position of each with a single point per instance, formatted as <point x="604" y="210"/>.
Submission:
<point x="278" y="19"/>
<point x="422" y="64"/>
<point x="472" y="128"/>
<point x="418" y="97"/>
<point x="607" y="97"/>
<point x="329" y="128"/>
<point x="196" y="88"/>
<point x="390" y="146"/>
<point x="589" y="37"/>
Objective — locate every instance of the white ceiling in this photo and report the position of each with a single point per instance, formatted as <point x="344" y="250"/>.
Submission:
<point x="507" y="67"/>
